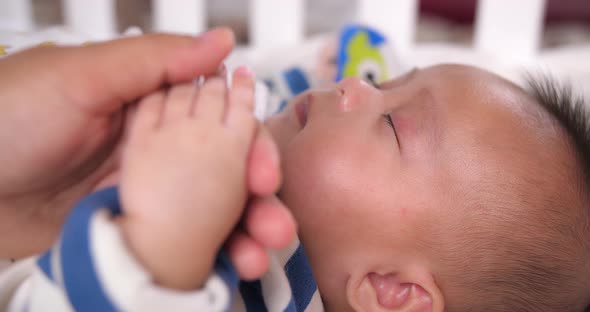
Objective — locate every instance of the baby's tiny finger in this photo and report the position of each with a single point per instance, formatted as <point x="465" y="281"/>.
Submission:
<point x="179" y="101"/>
<point x="243" y="84"/>
<point x="211" y="98"/>
<point x="148" y="114"/>
<point x="248" y="257"/>
<point x="241" y="101"/>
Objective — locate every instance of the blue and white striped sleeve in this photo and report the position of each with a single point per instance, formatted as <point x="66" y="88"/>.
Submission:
<point x="90" y="269"/>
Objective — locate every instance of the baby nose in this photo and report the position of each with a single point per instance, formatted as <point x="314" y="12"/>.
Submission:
<point x="355" y="92"/>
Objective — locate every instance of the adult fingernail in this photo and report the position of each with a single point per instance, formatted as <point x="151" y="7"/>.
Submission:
<point x="222" y="34"/>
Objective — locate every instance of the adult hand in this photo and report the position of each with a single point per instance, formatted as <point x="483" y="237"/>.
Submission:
<point x="62" y="118"/>
<point x="266" y="223"/>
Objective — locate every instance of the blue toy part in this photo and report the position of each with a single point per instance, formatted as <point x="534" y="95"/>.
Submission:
<point x="287" y="84"/>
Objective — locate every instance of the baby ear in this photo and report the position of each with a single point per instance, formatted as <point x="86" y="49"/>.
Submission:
<point x="394" y="292"/>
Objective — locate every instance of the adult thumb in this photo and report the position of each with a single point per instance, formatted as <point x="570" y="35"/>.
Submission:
<point x="104" y="76"/>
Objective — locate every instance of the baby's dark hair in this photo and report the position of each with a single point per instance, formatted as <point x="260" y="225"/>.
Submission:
<point x="572" y="112"/>
<point x="539" y="259"/>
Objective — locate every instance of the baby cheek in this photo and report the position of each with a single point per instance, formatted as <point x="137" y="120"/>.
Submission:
<point x="318" y="170"/>
<point x="351" y="198"/>
<point x="334" y="179"/>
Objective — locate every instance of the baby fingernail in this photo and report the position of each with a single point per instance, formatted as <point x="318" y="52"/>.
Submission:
<point x="244" y="71"/>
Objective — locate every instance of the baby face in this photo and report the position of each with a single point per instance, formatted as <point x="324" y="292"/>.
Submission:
<point x="381" y="179"/>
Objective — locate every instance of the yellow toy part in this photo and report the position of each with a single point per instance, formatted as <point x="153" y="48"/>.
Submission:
<point x="3" y="49"/>
<point x="364" y="60"/>
<point x="365" y="53"/>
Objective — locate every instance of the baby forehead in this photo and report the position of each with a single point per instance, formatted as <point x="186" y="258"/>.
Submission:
<point x="468" y="78"/>
<point x="489" y="116"/>
<point x="471" y="90"/>
<point x="472" y="108"/>
<point x="459" y="70"/>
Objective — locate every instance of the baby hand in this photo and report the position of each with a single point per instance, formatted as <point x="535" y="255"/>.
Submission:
<point x="183" y="179"/>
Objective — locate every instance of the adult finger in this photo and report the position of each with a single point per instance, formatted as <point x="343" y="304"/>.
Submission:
<point x="104" y="76"/>
<point x="269" y="222"/>
<point x="249" y="257"/>
<point x="264" y="172"/>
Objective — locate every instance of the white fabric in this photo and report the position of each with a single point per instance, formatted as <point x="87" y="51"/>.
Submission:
<point x="25" y="287"/>
<point x="126" y="283"/>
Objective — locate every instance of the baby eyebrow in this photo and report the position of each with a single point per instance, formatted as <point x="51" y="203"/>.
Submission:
<point x="419" y="122"/>
<point x="399" y="81"/>
<point x="431" y="121"/>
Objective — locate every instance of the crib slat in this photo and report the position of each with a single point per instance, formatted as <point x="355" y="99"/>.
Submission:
<point x="16" y="15"/>
<point x="274" y="22"/>
<point x="96" y="18"/>
<point x="396" y="19"/>
<point x="509" y="29"/>
<point x="180" y="16"/>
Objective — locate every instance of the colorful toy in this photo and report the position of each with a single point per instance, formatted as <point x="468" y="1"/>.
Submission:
<point x="3" y="49"/>
<point x="356" y="51"/>
<point x="363" y="52"/>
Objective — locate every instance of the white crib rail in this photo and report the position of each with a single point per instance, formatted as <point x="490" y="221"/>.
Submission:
<point x="180" y="16"/>
<point x="16" y="15"/>
<point x="397" y="19"/>
<point x="276" y="22"/>
<point x="509" y="29"/>
<point x="506" y="29"/>
<point x="95" y="18"/>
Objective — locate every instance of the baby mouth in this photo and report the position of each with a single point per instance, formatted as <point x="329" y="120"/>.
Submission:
<point x="302" y="109"/>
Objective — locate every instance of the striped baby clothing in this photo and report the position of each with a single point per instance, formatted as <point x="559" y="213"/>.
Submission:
<point x="90" y="269"/>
